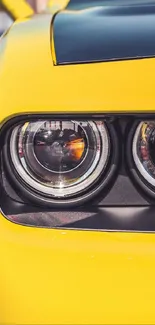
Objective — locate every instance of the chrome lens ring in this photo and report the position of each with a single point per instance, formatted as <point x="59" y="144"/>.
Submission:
<point x="139" y="158"/>
<point x="100" y="160"/>
<point x="142" y="153"/>
<point x="100" y="183"/>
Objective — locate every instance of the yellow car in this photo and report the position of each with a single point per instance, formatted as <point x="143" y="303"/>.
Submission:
<point x="77" y="145"/>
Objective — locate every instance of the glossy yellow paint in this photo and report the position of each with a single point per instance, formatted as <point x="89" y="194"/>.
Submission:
<point x="63" y="276"/>
<point x="17" y="8"/>
<point x="53" y="49"/>
<point x="75" y="277"/>
<point x="59" y="4"/>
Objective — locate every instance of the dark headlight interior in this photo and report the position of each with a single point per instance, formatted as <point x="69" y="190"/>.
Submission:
<point x="80" y="171"/>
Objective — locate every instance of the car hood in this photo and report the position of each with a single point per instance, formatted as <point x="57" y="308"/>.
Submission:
<point x="30" y="82"/>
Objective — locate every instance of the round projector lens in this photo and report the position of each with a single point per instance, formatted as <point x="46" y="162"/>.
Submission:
<point x="144" y="150"/>
<point x="60" y="158"/>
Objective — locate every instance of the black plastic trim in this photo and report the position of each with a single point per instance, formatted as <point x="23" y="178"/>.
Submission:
<point x="128" y="219"/>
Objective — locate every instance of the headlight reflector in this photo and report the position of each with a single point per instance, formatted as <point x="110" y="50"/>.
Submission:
<point x="144" y="150"/>
<point x="60" y="159"/>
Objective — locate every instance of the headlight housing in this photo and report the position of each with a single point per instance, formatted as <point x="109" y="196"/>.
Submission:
<point x="87" y="165"/>
<point x="59" y="162"/>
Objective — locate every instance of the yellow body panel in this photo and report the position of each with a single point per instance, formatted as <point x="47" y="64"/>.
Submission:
<point x="75" y="277"/>
<point x="56" y="4"/>
<point x="72" y="277"/>
<point x="17" y="8"/>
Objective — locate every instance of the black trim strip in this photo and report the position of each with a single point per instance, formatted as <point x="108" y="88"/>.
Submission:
<point x="133" y="219"/>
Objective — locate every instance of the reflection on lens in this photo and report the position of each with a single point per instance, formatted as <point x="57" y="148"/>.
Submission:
<point x="60" y="158"/>
<point x="144" y="150"/>
<point x="60" y="147"/>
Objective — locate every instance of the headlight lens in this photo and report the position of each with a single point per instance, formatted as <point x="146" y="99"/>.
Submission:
<point x="144" y="150"/>
<point x="60" y="158"/>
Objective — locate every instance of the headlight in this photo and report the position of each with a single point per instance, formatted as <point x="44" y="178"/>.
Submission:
<point x="144" y="151"/>
<point x="60" y="161"/>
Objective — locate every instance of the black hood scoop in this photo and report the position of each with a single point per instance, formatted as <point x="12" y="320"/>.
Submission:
<point x="105" y="32"/>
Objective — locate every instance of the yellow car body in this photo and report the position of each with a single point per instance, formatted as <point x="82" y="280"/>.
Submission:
<point x="60" y="276"/>
<point x="17" y="9"/>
